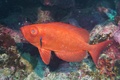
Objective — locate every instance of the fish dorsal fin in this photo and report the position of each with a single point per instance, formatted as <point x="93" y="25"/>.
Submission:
<point x="45" y="55"/>
<point x="84" y="33"/>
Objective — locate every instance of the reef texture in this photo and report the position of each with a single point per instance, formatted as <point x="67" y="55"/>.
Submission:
<point x="44" y="16"/>
<point x="19" y="65"/>
<point x="110" y="55"/>
<point x="6" y="33"/>
<point x="12" y="65"/>
<point x="21" y="61"/>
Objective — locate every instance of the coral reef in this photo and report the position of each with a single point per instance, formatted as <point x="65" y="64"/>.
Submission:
<point x="116" y="35"/>
<point x="102" y="31"/>
<point x="111" y="54"/>
<point x="20" y="61"/>
<point x="8" y="35"/>
<point x="11" y="62"/>
<point x="24" y="66"/>
<point x="44" y="16"/>
<point x="10" y="65"/>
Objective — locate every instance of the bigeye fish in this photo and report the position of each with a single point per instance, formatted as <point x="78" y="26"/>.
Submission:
<point x="69" y="42"/>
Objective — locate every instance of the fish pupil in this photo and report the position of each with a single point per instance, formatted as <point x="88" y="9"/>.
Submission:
<point x="33" y="31"/>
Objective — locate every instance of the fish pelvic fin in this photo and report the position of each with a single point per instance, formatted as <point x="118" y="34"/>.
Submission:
<point x="96" y="49"/>
<point x="45" y="55"/>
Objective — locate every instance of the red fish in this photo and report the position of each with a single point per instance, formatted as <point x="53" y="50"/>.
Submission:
<point x="69" y="42"/>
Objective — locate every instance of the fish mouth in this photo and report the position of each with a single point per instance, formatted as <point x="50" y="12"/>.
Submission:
<point x="22" y="35"/>
<point x="21" y="29"/>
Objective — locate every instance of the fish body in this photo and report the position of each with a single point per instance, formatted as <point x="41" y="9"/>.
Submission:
<point x="69" y="42"/>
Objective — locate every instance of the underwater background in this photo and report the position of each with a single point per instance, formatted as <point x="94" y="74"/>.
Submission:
<point x="19" y="60"/>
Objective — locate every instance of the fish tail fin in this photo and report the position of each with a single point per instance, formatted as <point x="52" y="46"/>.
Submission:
<point x="97" y="48"/>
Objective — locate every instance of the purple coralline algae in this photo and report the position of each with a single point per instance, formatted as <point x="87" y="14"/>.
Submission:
<point x="16" y="35"/>
<point x="104" y="30"/>
<point x="12" y="65"/>
<point x="109" y="61"/>
<point x="111" y="55"/>
<point x="117" y="34"/>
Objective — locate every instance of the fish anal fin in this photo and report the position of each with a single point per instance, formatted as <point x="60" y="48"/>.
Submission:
<point x="72" y="56"/>
<point x="45" y="55"/>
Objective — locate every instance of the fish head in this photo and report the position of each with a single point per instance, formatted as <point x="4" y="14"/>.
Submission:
<point x="32" y="34"/>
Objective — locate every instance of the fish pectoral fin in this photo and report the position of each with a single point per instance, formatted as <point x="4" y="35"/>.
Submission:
<point x="45" y="55"/>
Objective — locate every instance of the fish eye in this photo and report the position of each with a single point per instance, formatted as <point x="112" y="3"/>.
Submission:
<point x="33" y="31"/>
